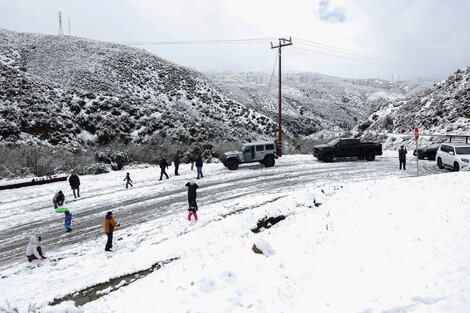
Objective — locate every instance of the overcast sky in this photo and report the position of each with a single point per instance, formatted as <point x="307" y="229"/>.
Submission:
<point x="427" y="39"/>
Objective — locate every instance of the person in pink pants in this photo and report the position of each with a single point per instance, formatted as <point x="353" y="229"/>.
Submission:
<point x="192" y="210"/>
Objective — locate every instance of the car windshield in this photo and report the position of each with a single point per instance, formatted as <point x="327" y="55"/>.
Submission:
<point x="462" y="150"/>
<point x="434" y="146"/>
<point x="334" y="141"/>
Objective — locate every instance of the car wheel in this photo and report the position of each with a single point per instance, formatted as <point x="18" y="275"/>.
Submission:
<point x="328" y="157"/>
<point x="456" y="167"/>
<point x="439" y="163"/>
<point x="370" y="156"/>
<point x="232" y="164"/>
<point x="269" y="161"/>
<point x="421" y="157"/>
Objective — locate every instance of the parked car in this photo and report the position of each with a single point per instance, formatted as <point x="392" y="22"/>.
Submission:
<point x="263" y="152"/>
<point x="454" y="155"/>
<point x="428" y="152"/>
<point x="347" y="147"/>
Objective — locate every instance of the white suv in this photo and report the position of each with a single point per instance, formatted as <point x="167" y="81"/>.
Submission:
<point x="454" y="155"/>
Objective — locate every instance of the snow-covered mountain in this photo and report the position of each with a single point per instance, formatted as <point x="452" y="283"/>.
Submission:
<point x="72" y="91"/>
<point x="314" y="102"/>
<point x="442" y="109"/>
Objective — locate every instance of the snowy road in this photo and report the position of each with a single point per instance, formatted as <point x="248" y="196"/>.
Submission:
<point x="29" y="210"/>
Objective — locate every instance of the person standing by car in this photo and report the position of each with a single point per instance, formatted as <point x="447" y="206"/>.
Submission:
<point x="74" y="182"/>
<point x="109" y="225"/>
<point x="402" y="157"/>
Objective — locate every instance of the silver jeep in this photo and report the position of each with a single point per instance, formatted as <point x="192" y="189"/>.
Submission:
<point x="263" y="152"/>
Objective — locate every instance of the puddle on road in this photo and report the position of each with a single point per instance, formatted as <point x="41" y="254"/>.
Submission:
<point x="99" y="290"/>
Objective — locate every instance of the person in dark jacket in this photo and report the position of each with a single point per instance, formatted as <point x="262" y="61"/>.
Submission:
<point x="109" y="225"/>
<point x="199" y="166"/>
<point x="192" y="194"/>
<point x="68" y="221"/>
<point x="33" y="250"/>
<point x="177" y="161"/>
<point x="163" y="166"/>
<point x="402" y="157"/>
<point x="128" y="180"/>
<point x="74" y="182"/>
<point x="58" y="199"/>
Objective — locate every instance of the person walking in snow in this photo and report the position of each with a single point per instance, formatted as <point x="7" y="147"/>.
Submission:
<point x="402" y="157"/>
<point x="109" y="226"/>
<point x="33" y="250"/>
<point x="163" y="166"/>
<point x="128" y="180"/>
<point x="177" y="161"/>
<point x="199" y="166"/>
<point x="58" y="199"/>
<point x="74" y="182"/>
<point x="68" y="221"/>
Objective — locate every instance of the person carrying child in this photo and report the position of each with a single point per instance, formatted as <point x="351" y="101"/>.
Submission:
<point x="128" y="180"/>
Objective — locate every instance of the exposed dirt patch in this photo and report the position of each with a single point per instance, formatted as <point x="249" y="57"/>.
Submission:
<point x="97" y="291"/>
<point x="267" y="222"/>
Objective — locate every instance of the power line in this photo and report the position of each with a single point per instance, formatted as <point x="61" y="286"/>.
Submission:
<point x="402" y="67"/>
<point x="190" y="42"/>
<point x="272" y="74"/>
<point x="362" y="54"/>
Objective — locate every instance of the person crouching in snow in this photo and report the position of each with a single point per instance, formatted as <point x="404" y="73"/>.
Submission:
<point x="58" y="199"/>
<point x="33" y="250"/>
<point x="109" y="225"/>
<point x="68" y="221"/>
<point x="128" y="181"/>
<point x="192" y="210"/>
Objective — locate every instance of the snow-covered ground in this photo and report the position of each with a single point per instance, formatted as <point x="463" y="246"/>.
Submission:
<point x="381" y="241"/>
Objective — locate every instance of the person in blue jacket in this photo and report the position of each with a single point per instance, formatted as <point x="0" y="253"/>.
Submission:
<point x="68" y="221"/>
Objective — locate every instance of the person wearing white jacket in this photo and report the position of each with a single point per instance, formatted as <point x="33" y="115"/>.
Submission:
<point x="33" y="250"/>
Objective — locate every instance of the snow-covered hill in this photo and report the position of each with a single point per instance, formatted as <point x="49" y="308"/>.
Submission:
<point x="439" y="110"/>
<point x="68" y="90"/>
<point x="314" y="102"/>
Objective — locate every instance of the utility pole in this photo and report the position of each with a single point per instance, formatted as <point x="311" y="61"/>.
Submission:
<point x="61" y="31"/>
<point x="69" y="27"/>
<point x="283" y="42"/>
